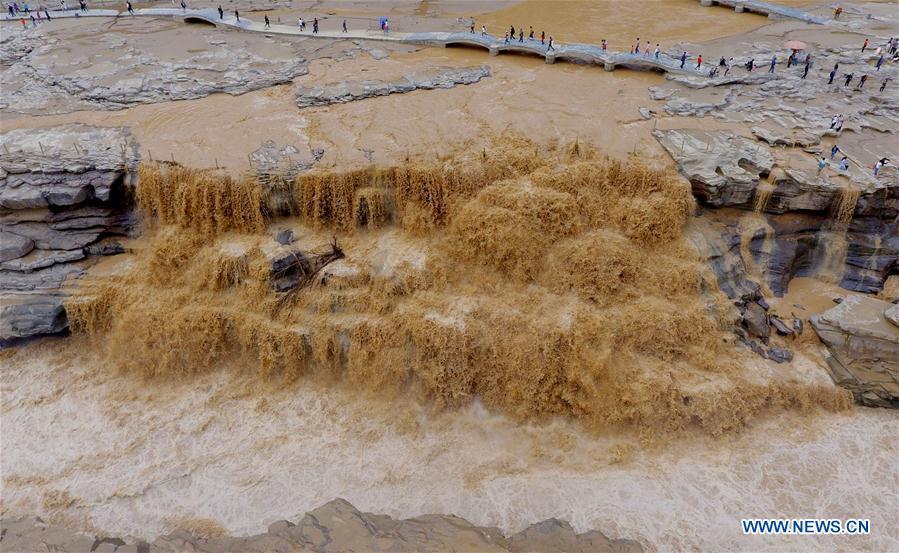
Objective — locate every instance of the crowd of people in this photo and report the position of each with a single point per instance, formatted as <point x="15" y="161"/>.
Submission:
<point x="887" y="52"/>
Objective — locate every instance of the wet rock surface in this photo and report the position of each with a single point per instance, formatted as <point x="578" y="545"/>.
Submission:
<point x="786" y="222"/>
<point x="349" y="91"/>
<point x="334" y="527"/>
<point x="63" y="190"/>
<point x="864" y="349"/>
<point x="111" y="73"/>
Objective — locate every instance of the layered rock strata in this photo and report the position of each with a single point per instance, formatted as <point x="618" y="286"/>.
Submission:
<point x="63" y="193"/>
<point x="806" y="224"/>
<point x="862" y="337"/>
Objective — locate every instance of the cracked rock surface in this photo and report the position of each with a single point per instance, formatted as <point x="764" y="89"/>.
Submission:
<point x="349" y="91"/>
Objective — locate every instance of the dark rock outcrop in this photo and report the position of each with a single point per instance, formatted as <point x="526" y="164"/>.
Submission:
<point x="805" y="225"/>
<point x="336" y="526"/>
<point x="62" y="191"/>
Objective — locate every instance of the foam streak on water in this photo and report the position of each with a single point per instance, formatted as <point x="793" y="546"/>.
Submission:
<point x="93" y="451"/>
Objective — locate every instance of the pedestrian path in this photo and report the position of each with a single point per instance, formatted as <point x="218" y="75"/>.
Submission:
<point x="585" y="53"/>
<point x="766" y="8"/>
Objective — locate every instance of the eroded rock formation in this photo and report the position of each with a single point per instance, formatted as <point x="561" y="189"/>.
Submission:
<point x="349" y="91"/>
<point x="63" y="191"/>
<point x="862" y="337"/>
<point x="805" y="224"/>
<point x="336" y="526"/>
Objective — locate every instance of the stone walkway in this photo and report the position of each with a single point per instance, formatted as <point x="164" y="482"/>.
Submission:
<point x="588" y="53"/>
<point x="766" y="8"/>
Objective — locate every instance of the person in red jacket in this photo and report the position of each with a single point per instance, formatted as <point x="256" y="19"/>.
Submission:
<point x="699" y="62"/>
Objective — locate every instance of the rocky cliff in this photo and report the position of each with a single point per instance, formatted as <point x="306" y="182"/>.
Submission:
<point x="334" y="527"/>
<point x="807" y="224"/>
<point x="64" y="191"/>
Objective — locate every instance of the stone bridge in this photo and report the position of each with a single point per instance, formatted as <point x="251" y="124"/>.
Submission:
<point x="766" y="8"/>
<point x="578" y="53"/>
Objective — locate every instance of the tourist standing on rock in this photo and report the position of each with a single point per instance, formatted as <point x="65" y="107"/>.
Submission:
<point x="879" y="62"/>
<point x="237" y="15"/>
<point x="512" y="32"/>
<point x="24" y="25"/>
<point x="506" y="38"/>
<point x="268" y="24"/>
<point x="550" y="45"/>
<point x="791" y="58"/>
<point x="471" y="27"/>
<point x="542" y="37"/>
<point x="821" y="165"/>
<point x="604" y="45"/>
<point x="884" y="84"/>
<point x="683" y="60"/>
<point x="839" y="122"/>
<point x="728" y="65"/>
<point x="834" y="150"/>
<point x="10" y="10"/>
<point x="302" y="23"/>
<point x="699" y="62"/>
<point x="848" y="79"/>
<point x="483" y="30"/>
<point x="315" y="26"/>
<point x="637" y="49"/>
<point x="47" y="14"/>
<point x="837" y="11"/>
<point x="531" y="33"/>
<point x="773" y="64"/>
<point x="657" y="52"/>
<point x="520" y="34"/>
<point x="844" y="163"/>
<point x="130" y="8"/>
<point x="833" y="73"/>
<point x="834" y="120"/>
<point x="879" y="165"/>
<point x="808" y="65"/>
<point x="861" y="82"/>
<point x="183" y="5"/>
<point x="749" y="65"/>
<point x="646" y="52"/>
<point x="864" y="46"/>
<point x="221" y="13"/>
<point x="343" y="27"/>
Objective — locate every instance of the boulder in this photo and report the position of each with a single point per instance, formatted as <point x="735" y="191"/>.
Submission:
<point x="863" y="348"/>
<point x="779" y="355"/>
<point x="13" y="246"/>
<point x="31" y="316"/>
<point x="755" y="321"/>
<point x="780" y="326"/>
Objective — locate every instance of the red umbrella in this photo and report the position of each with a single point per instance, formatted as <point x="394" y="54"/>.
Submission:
<point x="796" y="45"/>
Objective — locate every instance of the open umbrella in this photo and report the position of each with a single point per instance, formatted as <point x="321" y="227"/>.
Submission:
<point x="796" y="45"/>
